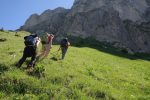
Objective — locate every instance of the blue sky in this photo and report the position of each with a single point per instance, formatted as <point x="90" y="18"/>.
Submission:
<point x="14" y="13"/>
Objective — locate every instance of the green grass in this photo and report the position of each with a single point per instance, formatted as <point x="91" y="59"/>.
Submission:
<point x="87" y="73"/>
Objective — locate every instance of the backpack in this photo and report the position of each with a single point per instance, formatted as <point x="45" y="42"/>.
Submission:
<point x="44" y="38"/>
<point x="64" y="43"/>
<point x="30" y="40"/>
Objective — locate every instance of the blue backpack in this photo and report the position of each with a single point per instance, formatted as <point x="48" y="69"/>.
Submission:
<point x="30" y="40"/>
<point x="64" y="43"/>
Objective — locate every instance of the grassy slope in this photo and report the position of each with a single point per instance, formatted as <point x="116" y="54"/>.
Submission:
<point x="85" y="74"/>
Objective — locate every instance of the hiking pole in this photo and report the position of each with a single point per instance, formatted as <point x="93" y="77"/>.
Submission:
<point x="55" y="51"/>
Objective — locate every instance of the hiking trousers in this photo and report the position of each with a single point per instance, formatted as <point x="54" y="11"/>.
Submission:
<point x="29" y="51"/>
<point x="64" y="51"/>
<point x="45" y="50"/>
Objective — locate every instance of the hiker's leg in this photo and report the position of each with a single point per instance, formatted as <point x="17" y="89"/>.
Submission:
<point x="33" y="60"/>
<point x="33" y="57"/>
<point x="42" y="52"/>
<point x="21" y="61"/>
<point x="47" y="50"/>
<point x="64" y="50"/>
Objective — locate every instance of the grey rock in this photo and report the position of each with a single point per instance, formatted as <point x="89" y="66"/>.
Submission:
<point x="125" y="22"/>
<point x="50" y="20"/>
<point x="128" y="9"/>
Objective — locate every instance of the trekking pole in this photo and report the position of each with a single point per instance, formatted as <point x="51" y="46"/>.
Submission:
<point x="55" y="53"/>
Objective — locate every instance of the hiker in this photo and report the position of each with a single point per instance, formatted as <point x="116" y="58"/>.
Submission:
<point x="64" y="44"/>
<point x="50" y="40"/>
<point x="31" y="43"/>
<point x="46" y="40"/>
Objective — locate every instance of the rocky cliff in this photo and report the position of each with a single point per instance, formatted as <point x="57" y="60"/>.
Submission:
<point x="50" y="20"/>
<point x="123" y="23"/>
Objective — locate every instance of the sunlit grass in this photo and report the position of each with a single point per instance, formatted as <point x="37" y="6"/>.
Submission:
<point x="85" y="74"/>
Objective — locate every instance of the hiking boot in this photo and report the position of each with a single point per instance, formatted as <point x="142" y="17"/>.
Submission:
<point x="30" y="65"/>
<point x="18" y="65"/>
<point x="37" y="58"/>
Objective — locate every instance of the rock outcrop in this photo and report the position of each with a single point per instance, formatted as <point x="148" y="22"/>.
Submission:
<point x="123" y="23"/>
<point x="128" y="9"/>
<point x="50" y="20"/>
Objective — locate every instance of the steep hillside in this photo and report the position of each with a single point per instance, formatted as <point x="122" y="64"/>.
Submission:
<point x="89" y="72"/>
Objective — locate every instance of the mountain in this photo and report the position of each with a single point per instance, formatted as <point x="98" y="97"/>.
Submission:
<point x="122" y="23"/>
<point x="49" y="20"/>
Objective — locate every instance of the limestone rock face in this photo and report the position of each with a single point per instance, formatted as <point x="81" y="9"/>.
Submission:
<point x="128" y="9"/>
<point x="49" y="20"/>
<point x="33" y="20"/>
<point x="123" y="23"/>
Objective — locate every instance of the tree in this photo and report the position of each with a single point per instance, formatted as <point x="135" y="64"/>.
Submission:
<point x="2" y="29"/>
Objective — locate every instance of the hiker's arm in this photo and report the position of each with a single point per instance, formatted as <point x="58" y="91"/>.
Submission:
<point x="47" y="34"/>
<point x="38" y="41"/>
<point x="69" y="44"/>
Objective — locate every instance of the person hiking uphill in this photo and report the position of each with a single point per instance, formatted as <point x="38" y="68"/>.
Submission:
<point x="31" y="43"/>
<point x="46" y="40"/>
<point x="64" y="44"/>
<point x="50" y="40"/>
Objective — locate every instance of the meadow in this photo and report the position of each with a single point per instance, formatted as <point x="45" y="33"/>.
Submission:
<point x="97" y="72"/>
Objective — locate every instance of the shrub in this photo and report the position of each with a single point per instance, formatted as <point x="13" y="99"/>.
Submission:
<point x="38" y="71"/>
<point x="2" y="29"/>
<point x="17" y="35"/>
<point x="3" y="68"/>
<point x="3" y="39"/>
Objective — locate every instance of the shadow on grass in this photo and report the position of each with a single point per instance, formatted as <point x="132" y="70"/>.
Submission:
<point x="3" y="68"/>
<point x="56" y="56"/>
<point x="54" y="59"/>
<point x="37" y="72"/>
<point x="105" y="47"/>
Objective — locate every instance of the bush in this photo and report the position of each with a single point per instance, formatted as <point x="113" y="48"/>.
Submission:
<point x="25" y="97"/>
<point x="2" y="30"/>
<point x="3" y="68"/>
<point x="17" y="35"/>
<point x="1" y="95"/>
<point x="124" y="50"/>
<point x="38" y="71"/>
<point x="3" y="39"/>
<point x="43" y="96"/>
